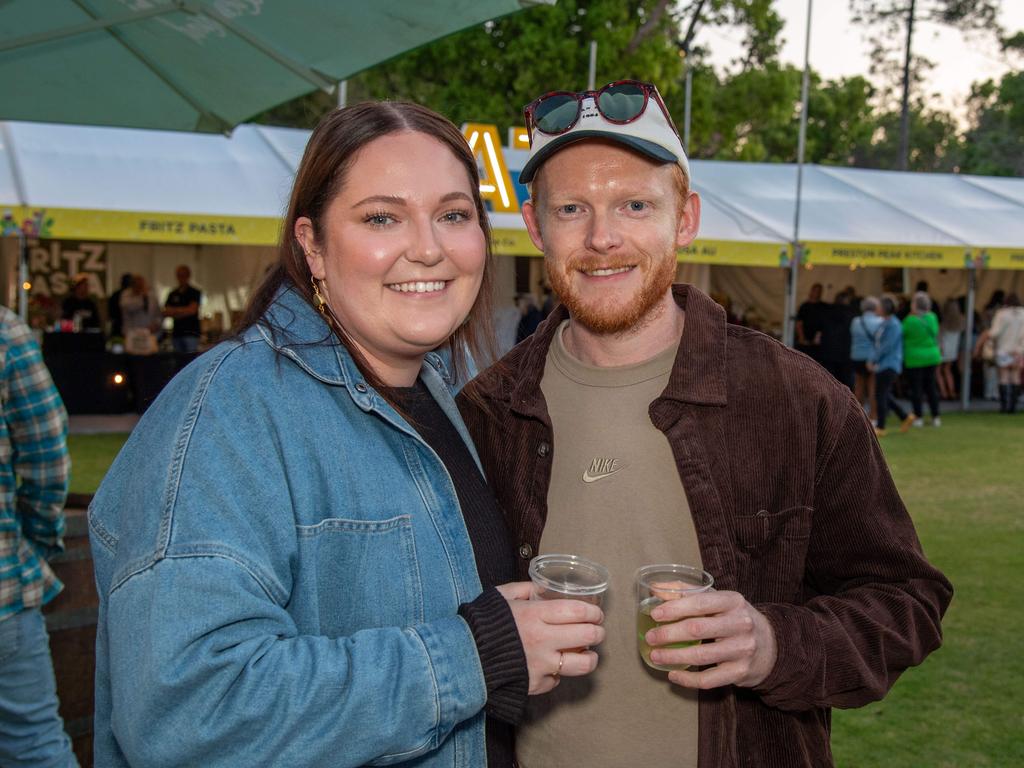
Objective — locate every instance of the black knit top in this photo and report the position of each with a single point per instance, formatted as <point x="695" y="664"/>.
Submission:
<point x="489" y="617"/>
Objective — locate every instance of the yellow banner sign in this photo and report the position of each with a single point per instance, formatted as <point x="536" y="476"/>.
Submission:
<point x="1000" y="258"/>
<point x="885" y="255"/>
<point x="734" y="253"/>
<point x="513" y="242"/>
<point x="140" y="227"/>
<point x="516" y="242"/>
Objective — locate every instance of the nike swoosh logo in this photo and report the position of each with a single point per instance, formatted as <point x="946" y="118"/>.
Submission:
<point x="589" y="478"/>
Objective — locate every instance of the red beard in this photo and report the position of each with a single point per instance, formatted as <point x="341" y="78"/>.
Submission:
<point x="615" y="317"/>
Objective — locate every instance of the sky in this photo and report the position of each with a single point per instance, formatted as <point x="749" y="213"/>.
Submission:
<point x="840" y="49"/>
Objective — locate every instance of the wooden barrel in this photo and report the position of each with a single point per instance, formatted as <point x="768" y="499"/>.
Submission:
<point x="71" y="622"/>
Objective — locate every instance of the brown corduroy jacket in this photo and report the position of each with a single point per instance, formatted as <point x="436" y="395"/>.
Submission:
<point x="794" y="508"/>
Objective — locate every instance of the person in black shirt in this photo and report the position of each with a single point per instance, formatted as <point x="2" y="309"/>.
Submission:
<point x="114" y="307"/>
<point x="835" y="338"/>
<point x="80" y="305"/>
<point x="810" y="319"/>
<point x="183" y="305"/>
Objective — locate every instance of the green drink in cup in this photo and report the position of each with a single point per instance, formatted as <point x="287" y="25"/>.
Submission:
<point x="656" y="584"/>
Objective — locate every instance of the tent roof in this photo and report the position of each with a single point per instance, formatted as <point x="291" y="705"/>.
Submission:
<point x="948" y="203"/>
<point x="832" y="208"/>
<point x="236" y="188"/>
<point x="122" y="169"/>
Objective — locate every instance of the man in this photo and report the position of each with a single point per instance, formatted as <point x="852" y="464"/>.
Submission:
<point x="636" y="426"/>
<point x="835" y="337"/>
<point x="33" y="483"/>
<point x="79" y="305"/>
<point x="810" y="322"/>
<point x="183" y="305"/>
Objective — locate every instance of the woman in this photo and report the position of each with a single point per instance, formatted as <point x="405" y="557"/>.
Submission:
<point x="951" y="337"/>
<point x="886" y="362"/>
<point x="990" y="373"/>
<point x="139" y="307"/>
<point x="921" y="356"/>
<point x="863" y="330"/>
<point x="285" y="571"/>
<point x="1007" y="334"/>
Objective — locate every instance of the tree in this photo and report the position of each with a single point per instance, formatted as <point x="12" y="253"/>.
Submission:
<point x="932" y="140"/>
<point x="488" y="73"/>
<point x="748" y="115"/>
<point x="889" y="18"/>
<point x="841" y="121"/>
<point x="994" y="145"/>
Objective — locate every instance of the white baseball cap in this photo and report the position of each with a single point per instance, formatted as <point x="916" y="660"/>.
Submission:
<point x="644" y="126"/>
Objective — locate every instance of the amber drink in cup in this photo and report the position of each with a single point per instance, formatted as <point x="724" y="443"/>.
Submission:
<point x="657" y="584"/>
<point x="560" y="577"/>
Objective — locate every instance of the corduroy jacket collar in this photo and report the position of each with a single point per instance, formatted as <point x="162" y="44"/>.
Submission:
<point x="698" y="376"/>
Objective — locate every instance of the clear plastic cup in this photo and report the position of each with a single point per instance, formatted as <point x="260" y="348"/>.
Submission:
<point x="559" y="577"/>
<point x="656" y="584"/>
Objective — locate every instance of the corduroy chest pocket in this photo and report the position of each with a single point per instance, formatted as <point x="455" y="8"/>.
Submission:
<point x="366" y="573"/>
<point x="771" y="552"/>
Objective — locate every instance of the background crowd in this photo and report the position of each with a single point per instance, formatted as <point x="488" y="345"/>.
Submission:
<point x="134" y="316"/>
<point x="891" y="347"/>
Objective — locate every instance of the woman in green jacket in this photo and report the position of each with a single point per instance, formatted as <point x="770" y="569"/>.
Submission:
<point x="921" y="356"/>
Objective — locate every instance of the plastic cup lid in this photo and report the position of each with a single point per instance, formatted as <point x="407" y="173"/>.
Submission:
<point x="569" y="574"/>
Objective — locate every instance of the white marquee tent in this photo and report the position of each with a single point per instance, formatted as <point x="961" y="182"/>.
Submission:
<point x="160" y="198"/>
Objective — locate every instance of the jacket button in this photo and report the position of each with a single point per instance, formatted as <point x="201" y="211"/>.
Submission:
<point x="361" y="388"/>
<point x="525" y="551"/>
<point x="543" y="449"/>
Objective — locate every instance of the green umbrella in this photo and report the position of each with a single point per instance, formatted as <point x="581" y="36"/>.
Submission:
<point x="203" y="65"/>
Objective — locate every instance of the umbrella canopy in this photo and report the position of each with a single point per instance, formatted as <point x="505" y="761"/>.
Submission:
<point x="203" y="65"/>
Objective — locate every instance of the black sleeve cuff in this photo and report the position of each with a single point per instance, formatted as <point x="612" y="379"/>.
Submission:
<point x="501" y="654"/>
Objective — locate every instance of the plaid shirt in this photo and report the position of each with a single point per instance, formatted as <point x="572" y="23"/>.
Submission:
<point x="33" y="471"/>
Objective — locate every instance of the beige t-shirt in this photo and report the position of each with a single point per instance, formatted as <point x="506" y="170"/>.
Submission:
<point x="615" y="497"/>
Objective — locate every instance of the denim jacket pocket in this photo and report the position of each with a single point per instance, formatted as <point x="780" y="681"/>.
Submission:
<point x="366" y="571"/>
<point x="772" y="550"/>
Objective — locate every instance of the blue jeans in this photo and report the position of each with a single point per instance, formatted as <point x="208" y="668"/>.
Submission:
<point x="31" y="731"/>
<point x="185" y="345"/>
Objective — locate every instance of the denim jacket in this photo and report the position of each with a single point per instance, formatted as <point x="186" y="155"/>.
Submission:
<point x="862" y="335"/>
<point x="280" y="558"/>
<point x="888" y="351"/>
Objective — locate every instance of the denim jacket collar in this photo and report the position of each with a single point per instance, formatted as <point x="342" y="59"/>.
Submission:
<point x="293" y="328"/>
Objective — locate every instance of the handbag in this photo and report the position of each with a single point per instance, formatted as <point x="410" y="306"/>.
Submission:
<point x="140" y="341"/>
<point x="988" y="350"/>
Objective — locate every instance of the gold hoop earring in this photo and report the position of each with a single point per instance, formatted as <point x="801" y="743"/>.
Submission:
<point x="318" y="298"/>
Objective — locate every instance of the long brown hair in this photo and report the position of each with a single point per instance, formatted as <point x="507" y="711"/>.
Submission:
<point x="329" y="155"/>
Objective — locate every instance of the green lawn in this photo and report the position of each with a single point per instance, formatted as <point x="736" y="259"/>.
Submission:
<point x="964" y="487"/>
<point x="91" y="457"/>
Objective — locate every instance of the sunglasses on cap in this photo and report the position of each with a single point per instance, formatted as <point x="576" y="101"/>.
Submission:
<point x="621" y="102"/>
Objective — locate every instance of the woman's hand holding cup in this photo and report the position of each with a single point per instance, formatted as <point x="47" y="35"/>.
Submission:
<point x="556" y="634"/>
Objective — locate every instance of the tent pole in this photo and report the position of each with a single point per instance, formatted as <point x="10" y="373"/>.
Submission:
<point x="592" y="69"/>
<point x="22" y="275"/>
<point x="789" y="328"/>
<point x="967" y="348"/>
<point x="687" y="104"/>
